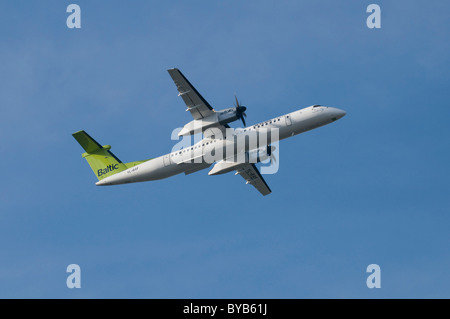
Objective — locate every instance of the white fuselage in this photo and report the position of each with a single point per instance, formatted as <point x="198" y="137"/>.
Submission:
<point x="184" y="161"/>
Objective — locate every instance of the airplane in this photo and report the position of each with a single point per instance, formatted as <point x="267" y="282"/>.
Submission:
<point x="218" y="138"/>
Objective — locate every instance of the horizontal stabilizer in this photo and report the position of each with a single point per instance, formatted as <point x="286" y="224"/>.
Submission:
<point x="87" y="142"/>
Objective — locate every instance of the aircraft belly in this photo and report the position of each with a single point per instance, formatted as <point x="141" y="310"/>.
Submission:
<point x="156" y="169"/>
<point x="285" y="132"/>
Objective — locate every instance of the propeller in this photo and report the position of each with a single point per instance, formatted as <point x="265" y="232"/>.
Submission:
<point x="270" y="150"/>
<point x="240" y="111"/>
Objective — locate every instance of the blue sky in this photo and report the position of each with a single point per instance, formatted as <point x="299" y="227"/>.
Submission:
<point x="370" y="188"/>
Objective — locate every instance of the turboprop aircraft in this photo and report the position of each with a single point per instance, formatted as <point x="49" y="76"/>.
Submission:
<point x="228" y="149"/>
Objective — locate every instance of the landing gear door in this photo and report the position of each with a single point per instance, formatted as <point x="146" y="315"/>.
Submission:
<point x="166" y="160"/>
<point x="288" y="120"/>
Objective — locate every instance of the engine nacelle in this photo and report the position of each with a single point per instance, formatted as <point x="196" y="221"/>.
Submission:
<point x="218" y="118"/>
<point x="223" y="167"/>
<point x="251" y="157"/>
<point x="258" y="155"/>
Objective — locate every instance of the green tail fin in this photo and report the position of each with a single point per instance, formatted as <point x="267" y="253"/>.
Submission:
<point x="102" y="161"/>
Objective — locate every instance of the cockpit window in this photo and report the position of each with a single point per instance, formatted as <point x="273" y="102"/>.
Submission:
<point x="317" y="105"/>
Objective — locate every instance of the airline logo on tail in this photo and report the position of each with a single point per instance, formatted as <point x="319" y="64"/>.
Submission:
<point x="108" y="169"/>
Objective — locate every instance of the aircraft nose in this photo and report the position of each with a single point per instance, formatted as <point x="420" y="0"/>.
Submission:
<point x="340" y="113"/>
<point x="336" y="113"/>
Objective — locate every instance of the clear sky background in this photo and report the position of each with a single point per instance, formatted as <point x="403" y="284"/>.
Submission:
<point x="372" y="187"/>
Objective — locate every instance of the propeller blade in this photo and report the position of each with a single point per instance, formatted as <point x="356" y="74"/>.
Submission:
<point x="273" y="159"/>
<point x="240" y="111"/>
<point x="270" y="150"/>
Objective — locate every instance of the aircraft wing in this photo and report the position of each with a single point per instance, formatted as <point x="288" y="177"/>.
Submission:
<point x="195" y="103"/>
<point x="251" y="174"/>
